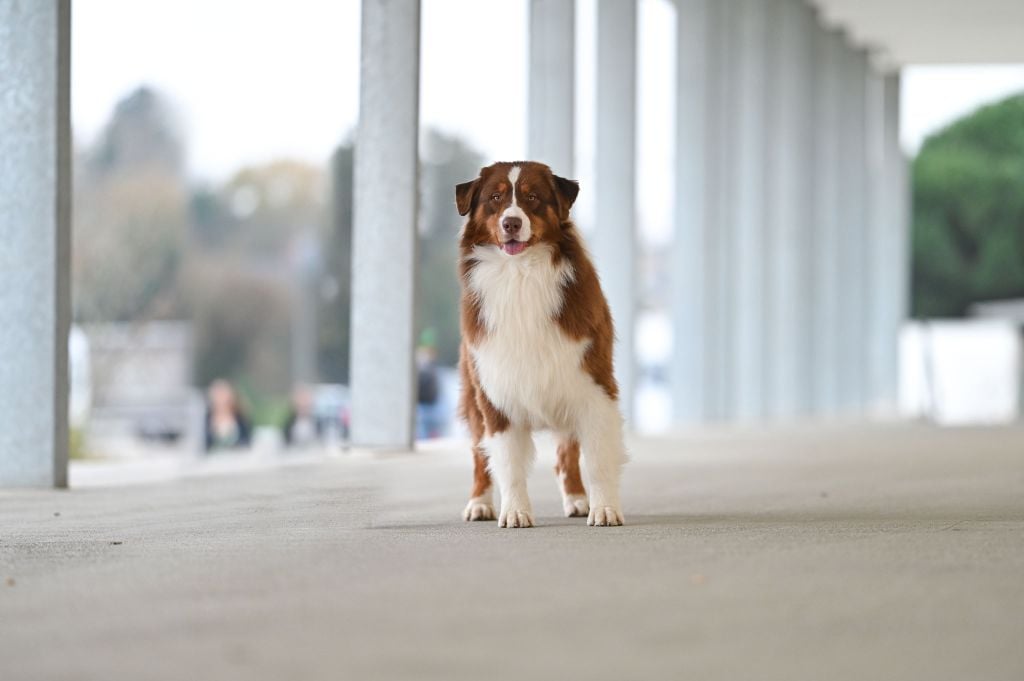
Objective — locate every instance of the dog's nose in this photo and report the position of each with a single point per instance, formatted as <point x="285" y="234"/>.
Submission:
<point x="512" y="225"/>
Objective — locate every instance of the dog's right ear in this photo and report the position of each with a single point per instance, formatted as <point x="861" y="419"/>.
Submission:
<point x="465" y="196"/>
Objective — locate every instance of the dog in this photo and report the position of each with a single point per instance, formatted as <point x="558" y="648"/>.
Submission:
<point x="536" y="348"/>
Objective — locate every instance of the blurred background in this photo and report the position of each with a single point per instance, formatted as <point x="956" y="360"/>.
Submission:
<point x="213" y="213"/>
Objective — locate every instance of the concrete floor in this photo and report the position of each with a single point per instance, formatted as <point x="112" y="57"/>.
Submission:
<point x="889" y="553"/>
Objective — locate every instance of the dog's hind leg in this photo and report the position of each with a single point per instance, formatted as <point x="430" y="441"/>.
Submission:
<point x="567" y="469"/>
<point x="481" y="498"/>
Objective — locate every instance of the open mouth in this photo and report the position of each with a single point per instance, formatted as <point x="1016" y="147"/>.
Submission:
<point x="514" y="247"/>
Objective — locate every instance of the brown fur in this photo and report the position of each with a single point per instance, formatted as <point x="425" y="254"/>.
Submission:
<point x="481" y="417"/>
<point x="547" y="199"/>
<point x="568" y="465"/>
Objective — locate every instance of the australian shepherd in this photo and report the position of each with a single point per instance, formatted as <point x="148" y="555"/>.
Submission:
<point x="536" y="347"/>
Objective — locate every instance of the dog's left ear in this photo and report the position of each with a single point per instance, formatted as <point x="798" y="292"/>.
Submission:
<point x="465" y="195"/>
<point x="567" y="190"/>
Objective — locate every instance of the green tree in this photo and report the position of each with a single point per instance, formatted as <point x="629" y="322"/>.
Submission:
<point x="335" y="312"/>
<point x="130" y="216"/>
<point x="446" y="162"/>
<point x="143" y="132"/>
<point x="267" y="207"/>
<point x="242" y="328"/>
<point x="251" y="284"/>
<point x="968" y="227"/>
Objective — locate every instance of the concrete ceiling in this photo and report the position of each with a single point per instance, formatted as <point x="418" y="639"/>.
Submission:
<point x="932" y="31"/>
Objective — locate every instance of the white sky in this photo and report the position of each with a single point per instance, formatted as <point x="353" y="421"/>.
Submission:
<point x="934" y="96"/>
<point x="255" y="81"/>
<point x="252" y="80"/>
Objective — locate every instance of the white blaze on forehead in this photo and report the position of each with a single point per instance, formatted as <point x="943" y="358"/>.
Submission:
<point x="514" y="211"/>
<point x="513" y="177"/>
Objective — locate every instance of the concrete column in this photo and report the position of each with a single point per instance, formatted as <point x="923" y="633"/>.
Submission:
<point x="895" y="243"/>
<point x="720" y="141"/>
<point x="790" y="188"/>
<point x="853" y="194"/>
<point x="690" y="284"/>
<point x="877" y="287"/>
<point x="747" y="262"/>
<point x="35" y="194"/>
<point x="615" y="176"/>
<point x="552" y="83"/>
<point x="384" y="240"/>
<point x="826" y="299"/>
<point x="306" y="270"/>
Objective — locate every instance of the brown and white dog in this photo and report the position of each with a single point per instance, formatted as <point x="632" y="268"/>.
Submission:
<point x="536" y="346"/>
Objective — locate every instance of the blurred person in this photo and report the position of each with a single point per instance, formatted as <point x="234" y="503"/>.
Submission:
<point x="227" y="427"/>
<point x="302" y="428"/>
<point x="430" y="417"/>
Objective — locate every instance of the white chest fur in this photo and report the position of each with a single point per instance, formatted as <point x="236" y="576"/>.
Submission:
<point x="527" y="366"/>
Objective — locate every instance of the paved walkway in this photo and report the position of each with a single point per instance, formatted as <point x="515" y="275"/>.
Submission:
<point x="890" y="553"/>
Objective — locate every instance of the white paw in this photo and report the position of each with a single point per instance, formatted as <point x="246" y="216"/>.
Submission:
<point x="605" y="516"/>
<point x="515" y="516"/>
<point x="479" y="508"/>
<point x="575" y="505"/>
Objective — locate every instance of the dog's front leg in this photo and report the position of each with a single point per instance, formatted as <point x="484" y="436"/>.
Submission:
<point x="604" y="453"/>
<point x="511" y="453"/>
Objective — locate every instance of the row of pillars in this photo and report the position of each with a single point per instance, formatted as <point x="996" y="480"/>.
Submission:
<point x="789" y="260"/>
<point x="789" y="263"/>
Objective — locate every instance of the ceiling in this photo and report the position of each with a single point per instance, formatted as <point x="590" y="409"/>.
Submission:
<point x="932" y="31"/>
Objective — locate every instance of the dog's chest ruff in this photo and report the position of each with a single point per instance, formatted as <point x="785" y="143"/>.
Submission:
<point x="528" y="367"/>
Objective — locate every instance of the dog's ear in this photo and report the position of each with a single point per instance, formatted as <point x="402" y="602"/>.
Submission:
<point x="567" y="190"/>
<point x="466" y="195"/>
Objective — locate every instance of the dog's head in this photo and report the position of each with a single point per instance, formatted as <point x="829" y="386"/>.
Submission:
<point x="515" y="205"/>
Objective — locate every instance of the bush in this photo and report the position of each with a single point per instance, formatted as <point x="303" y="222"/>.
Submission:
<point x="968" y="226"/>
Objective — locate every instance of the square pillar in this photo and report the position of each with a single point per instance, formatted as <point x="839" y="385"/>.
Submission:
<point x="35" y="195"/>
<point x="691" y="286"/>
<point x="853" y="238"/>
<point x="719" y="208"/>
<point x="826" y="295"/>
<point x="747" y="262"/>
<point x="877" y="287"/>
<point x="552" y="84"/>
<point x="384" y="236"/>
<point x="614" y="240"/>
<point x="788" y="255"/>
<point x="895" y="243"/>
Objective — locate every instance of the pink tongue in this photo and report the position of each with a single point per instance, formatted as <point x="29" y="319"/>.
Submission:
<point x="514" y="247"/>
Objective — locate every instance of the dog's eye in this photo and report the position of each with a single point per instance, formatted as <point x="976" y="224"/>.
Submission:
<point x="495" y="197"/>
<point x="532" y="198"/>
